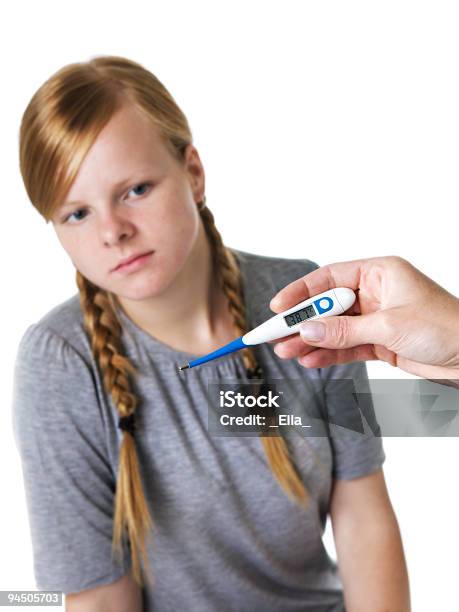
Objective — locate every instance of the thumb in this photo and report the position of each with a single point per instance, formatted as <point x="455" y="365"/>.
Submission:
<point x="344" y="331"/>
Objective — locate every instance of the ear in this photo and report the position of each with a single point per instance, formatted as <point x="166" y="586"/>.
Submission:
<point x="195" y="172"/>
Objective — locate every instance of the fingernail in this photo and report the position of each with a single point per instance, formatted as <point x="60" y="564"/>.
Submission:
<point x="313" y="331"/>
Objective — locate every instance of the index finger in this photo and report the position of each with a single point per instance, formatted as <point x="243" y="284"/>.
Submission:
<point x="340" y="274"/>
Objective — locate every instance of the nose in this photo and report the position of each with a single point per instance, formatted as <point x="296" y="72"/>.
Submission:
<point x="114" y="226"/>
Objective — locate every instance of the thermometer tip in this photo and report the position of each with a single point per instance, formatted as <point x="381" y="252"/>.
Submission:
<point x="185" y="366"/>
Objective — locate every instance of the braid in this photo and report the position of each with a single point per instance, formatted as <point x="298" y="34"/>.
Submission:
<point x="228" y="270"/>
<point x="131" y="510"/>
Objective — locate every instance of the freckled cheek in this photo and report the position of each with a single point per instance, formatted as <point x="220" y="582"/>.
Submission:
<point x="176" y="224"/>
<point x="186" y="234"/>
<point x="73" y="248"/>
<point x="176" y="240"/>
<point x="82" y="252"/>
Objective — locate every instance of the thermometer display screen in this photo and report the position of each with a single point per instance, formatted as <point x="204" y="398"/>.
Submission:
<point x="300" y="315"/>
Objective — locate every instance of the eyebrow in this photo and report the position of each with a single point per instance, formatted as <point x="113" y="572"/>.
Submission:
<point x="116" y="187"/>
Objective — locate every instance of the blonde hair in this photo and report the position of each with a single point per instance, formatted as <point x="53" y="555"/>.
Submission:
<point x="59" y="125"/>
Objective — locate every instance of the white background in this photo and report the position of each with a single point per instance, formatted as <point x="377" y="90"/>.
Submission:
<point x="328" y="131"/>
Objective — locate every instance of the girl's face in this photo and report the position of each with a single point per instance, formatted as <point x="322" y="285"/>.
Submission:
<point x="131" y="196"/>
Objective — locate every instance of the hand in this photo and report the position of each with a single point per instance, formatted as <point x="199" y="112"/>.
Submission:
<point x="400" y="316"/>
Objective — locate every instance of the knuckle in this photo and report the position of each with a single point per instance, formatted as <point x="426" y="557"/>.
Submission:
<point x="398" y="261"/>
<point x="340" y="332"/>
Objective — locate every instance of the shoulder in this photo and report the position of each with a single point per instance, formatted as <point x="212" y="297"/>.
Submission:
<point x="263" y="276"/>
<point x="56" y="334"/>
<point x="56" y="379"/>
<point x="276" y="269"/>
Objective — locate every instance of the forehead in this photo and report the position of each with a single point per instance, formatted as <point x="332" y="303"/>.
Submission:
<point x="129" y="144"/>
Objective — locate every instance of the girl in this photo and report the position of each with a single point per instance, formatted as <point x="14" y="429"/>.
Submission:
<point x="133" y="504"/>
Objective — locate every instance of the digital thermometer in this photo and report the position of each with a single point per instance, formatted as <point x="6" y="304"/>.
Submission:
<point x="326" y="304"/>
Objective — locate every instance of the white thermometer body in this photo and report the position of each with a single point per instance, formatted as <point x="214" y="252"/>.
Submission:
<point x="329" y="303"/>
<point x="326" y="304"/>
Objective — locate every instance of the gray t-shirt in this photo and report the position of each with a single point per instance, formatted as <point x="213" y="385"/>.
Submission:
<point x="226" y="536"/>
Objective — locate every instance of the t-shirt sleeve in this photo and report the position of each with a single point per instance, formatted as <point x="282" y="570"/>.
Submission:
<point x="355" y="435"/>
<point x="69" y="482"/>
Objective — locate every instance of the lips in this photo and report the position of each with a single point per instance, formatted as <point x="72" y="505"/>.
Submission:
<point x="130" y="259"/>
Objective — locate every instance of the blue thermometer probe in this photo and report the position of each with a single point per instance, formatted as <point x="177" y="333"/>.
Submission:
<point x="326" y="304"/>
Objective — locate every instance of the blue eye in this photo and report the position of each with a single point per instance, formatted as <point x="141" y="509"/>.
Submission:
<point x="141" y="185"/>
<point x="74" y="213"/>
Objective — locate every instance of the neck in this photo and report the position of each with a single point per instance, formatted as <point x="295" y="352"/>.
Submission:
<point x="192" y="314"/>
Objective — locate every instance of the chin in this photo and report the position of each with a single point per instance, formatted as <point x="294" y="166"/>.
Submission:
<point x="144" y="290"/>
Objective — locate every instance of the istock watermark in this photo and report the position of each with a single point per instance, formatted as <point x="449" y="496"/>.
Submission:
<point x="248" y="409"/>
<point x="265" y="397"/>
<point x="229" y="399"/>
<point x="334" y="407"/>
